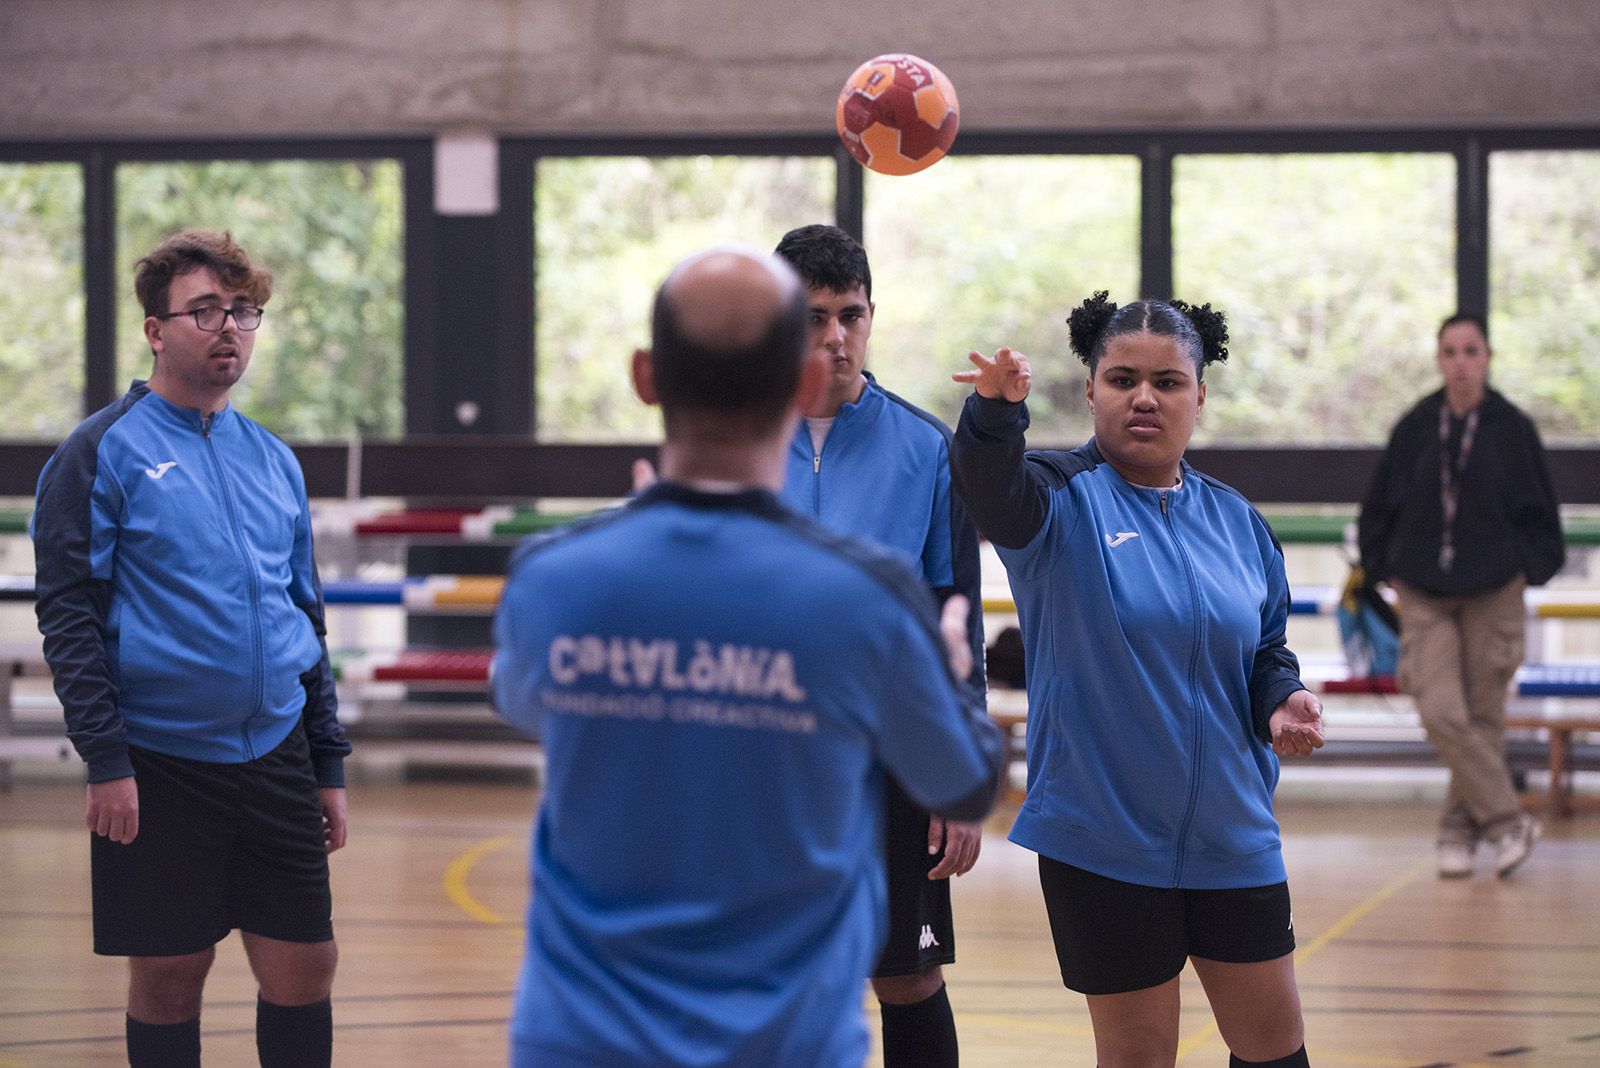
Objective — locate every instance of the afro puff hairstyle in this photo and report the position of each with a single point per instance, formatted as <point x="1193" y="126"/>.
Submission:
<point x="1201" y="331"/>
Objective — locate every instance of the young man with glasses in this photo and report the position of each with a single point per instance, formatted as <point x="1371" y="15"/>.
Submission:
<point x="182" y="616"/>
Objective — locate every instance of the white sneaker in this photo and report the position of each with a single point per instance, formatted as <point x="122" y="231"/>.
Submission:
<point x="1513" y="847"/>
<point x="1455" y="860"/>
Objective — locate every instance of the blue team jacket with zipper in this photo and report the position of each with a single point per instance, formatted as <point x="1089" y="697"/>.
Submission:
<point x="1153" y="622"/>
<point x="883" y="472"/>
<point x="177" y="593"/>
<point x="720" y="686"/>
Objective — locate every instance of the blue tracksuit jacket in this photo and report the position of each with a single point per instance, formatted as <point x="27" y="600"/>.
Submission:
<point x="177" y="593"/>
<point x="1153" y="622"/>
<point x="720" y="686"/>
<point x="883" y="472"/>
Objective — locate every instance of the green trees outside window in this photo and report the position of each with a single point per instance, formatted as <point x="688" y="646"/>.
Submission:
<point x="329" y="358"/>
<point x="41" y="299"/>
<point x="606" y="230"/>
<point x="1334" y="269"/>
<point x="984" y="251"/>
<point x="1544" y="287"/>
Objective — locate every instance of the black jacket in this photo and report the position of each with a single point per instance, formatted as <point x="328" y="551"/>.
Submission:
<point x="1507" y="520"/>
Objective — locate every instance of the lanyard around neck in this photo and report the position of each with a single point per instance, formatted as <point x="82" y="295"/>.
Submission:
<point x="1450" y="479"/>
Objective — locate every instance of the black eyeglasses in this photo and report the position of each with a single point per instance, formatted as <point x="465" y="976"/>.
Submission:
<point x="210" y="317"/>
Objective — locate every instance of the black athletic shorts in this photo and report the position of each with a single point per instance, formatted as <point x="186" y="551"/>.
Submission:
<point x="921" y="933"/>
<point x="219" y="846"/>
<point x="1112" y="937"/>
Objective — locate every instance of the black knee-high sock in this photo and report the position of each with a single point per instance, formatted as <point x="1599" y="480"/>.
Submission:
<point x="920" y="1035"/>
<point x="163" y="1045"/>
<point x="1297" y="1059"/>
<point x="294" y="1036"/>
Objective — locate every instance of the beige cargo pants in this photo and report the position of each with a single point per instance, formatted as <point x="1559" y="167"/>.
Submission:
<point x="1457" y="658"/>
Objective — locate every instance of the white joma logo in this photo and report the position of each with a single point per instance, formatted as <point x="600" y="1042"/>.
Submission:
<point x="161" y="469"/>
<point x="1122" y="536"/>
<point x="927" y="938"/>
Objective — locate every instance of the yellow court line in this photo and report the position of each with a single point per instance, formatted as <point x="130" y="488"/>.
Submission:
<point x="455" y="887"/>
<point x="455" y="881"/>
<point x="1355" y="915"/>
<point x="1205" y="1034"/>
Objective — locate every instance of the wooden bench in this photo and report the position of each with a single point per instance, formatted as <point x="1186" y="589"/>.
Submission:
<point x="1560" y="727"/>
<point x="1533" y="681"/>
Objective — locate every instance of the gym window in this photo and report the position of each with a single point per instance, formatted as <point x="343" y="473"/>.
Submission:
<point x="1544" y="278"/>
<point x="1335" y="270"/>
<point x="328" y="360"/>
<point x="41" y="299"/>
<point x="988" y="250"/>
<point x="606" y="231"/>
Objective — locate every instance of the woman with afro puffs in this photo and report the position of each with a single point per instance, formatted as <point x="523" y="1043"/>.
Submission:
<point x="1152" y="601"/>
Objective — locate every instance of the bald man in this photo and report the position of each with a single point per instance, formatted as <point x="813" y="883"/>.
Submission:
<point x="721" y="687"/>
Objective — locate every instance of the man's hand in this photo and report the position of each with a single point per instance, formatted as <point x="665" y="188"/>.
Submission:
<point x="1296" y="725"/>
<point x="112" y="810"/>
<point x="644" y="474"/>
<point x="1006" y="377"/>
<point x="953" y="628"/>
<point x="961" y="841"/>
<point x="335" y="819"/>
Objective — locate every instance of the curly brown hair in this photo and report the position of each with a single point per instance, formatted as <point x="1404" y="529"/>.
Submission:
<point x="190" y="250"/>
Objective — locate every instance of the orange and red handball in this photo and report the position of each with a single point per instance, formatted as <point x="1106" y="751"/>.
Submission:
<point x="897" y="114"/>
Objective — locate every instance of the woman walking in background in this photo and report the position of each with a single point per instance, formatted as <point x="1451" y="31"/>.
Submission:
<point x="1461" y="516"/>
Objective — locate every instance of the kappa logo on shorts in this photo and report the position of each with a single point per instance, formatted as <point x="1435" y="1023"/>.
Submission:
<point x="160" y="469"/>
<point x="1122" y="536"/>
<point x="927" y="938"/>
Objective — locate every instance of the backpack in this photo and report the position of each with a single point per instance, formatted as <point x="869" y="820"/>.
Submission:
<point x="1369" y="630"/>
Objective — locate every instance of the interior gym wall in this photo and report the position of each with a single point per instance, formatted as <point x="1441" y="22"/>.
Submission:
<point x="84" y="69"/>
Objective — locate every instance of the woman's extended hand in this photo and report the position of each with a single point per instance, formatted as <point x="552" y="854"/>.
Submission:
<point x="1006" y="377"/>
<point x="1296" y="725"/>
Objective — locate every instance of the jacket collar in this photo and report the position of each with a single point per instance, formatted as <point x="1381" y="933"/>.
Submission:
<point x="1186" y="475"/>
<point x="756" y="500"/>
<point x="189" y="417"/>
<point x="1493" y="402"/>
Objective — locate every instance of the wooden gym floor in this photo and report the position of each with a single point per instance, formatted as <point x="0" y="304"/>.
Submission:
<point x="1396" y="967"/>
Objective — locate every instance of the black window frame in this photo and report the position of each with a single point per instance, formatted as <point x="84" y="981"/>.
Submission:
<point x="1269" y="472"/>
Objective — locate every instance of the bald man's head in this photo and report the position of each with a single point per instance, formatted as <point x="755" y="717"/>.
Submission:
<point x="728" y="338"/>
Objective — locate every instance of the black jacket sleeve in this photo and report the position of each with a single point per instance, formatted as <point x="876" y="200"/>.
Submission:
<point x="1275" y="673"/>
<point x="966" y="566"/>
<point x="1008" y="497"/>
<point x="74" y="607"/>
<point x="1538" y="517"/>
<point x="1375" y="521"/>
<point x="325" y="736"/>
